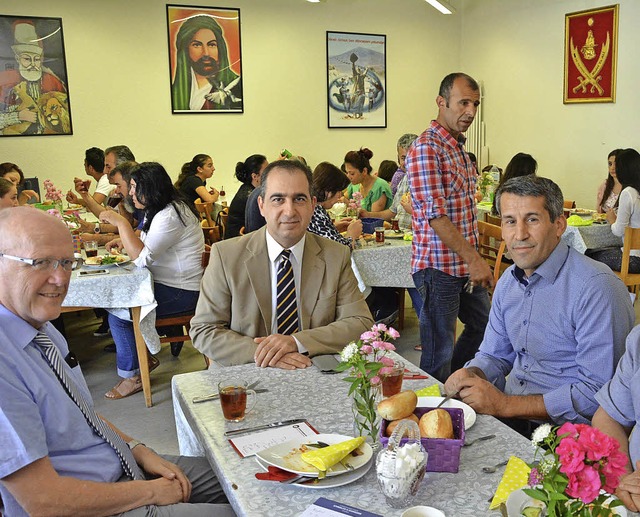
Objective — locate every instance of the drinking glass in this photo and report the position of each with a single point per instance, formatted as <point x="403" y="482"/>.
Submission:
<point x="233" y="399"/>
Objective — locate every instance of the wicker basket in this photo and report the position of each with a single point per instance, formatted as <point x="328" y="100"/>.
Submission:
<point x="444" y="455"/>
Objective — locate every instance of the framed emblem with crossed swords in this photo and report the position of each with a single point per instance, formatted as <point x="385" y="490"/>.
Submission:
<point x="590" y="55"/>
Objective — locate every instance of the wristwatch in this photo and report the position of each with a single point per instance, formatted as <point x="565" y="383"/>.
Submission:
<point x="134" y="443"/>
<point x="96" y="228"/>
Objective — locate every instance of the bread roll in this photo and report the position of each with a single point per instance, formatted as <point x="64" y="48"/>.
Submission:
<point x="436" y="424"/>
<point x="392" y="425"/>
<point x="399" y="406"/>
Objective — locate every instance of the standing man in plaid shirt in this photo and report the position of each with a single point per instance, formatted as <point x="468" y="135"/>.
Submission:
<point x="447" y="268"/>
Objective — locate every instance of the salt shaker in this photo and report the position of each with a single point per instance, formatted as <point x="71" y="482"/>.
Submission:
<point x="401" y="468"/>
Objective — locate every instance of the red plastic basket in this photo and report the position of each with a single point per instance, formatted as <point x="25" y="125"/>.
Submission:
<point x="444" y="455"/>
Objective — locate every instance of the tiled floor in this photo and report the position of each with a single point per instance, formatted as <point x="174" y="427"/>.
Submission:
<point x="155" y="426"/>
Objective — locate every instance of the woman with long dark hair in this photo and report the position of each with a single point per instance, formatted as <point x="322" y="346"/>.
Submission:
<point x="249" y="173"/>
<point x="13" y="173"/>
<point x="522" y="164"/>
<point x="8" y="194"/>
<point x="192" y="181"/>
<point x="170" y="246"/>
<point x="628" y="173"/>
<point x="611" y="187"/>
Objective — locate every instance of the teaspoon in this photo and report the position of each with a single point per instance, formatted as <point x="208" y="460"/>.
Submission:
<point x="491" y="470"/>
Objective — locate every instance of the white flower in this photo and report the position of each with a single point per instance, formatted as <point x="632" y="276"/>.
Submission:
<point x="348" y="352"/>
<point x="540" y="434"/>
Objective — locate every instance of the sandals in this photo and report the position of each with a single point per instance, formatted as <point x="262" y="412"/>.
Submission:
<point x="130" y="385"/>
<point x="125" y="388"/>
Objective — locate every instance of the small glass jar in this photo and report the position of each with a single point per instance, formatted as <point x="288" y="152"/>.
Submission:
<point x="401" y="468"/>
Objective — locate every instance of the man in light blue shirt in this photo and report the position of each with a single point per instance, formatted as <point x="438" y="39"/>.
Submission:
<point x="558" y="319"/>
<point x="51" y="461"/>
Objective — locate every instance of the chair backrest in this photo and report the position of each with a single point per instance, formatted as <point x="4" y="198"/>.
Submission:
<point x="631" y="242"/>
<point x="206" y="255"/>
<point x="492" y="219"/>
<point x="223" y="216"/>
<point x="206" y="211"/>
<point x="491" y="247"/>
<point x="569" y="204"/>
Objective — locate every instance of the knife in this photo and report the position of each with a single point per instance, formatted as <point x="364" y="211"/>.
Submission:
<point x="214" y="396"/>
<point x="266" y="426"/>
<point x="447" y="398"/>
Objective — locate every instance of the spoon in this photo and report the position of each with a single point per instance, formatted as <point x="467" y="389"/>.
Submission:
<point x="481" y="439"/>
<point x="491" y="470"/>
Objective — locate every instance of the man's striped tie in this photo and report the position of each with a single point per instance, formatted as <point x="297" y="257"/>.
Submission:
<point x="287" y="307"/>
<point x="53" y="357"/>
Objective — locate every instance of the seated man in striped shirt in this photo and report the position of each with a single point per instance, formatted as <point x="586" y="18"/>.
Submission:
<point x="558" y="320"/>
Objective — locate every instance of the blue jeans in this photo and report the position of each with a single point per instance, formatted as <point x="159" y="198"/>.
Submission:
<point x="445" y="300"/>
<point x="171" y="300"/>
<point x="416" y="300"/>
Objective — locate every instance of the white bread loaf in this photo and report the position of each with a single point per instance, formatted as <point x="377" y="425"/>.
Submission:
<point x="436" y="424"/>
<point x="399" y="406"/>
<point x="392" y="425"/>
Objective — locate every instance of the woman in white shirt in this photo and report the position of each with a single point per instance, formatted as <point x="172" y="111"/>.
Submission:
<point x="170" y="245"/>
<point x="628" y="173"/>
<point x="610" y="189"/>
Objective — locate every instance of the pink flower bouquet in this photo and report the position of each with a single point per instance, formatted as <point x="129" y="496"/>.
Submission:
<point x="367" y="358"/>
<point x="580" y="468"/>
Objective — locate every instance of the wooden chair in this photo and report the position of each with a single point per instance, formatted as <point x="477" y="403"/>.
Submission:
<point x="492" y="219"/>
<point x="210" y="230"/>
<point x="491" y="247"/>
<point x="223" y="216"/>
<point x="568" y="205"/>
<point x="631" y="242"/>
<point x="178" y="320"/>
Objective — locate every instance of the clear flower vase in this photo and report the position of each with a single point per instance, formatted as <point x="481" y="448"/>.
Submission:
<point x="366" y="420"/>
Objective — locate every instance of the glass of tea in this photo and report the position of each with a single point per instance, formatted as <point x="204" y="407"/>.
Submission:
<point x="233" y="399"/>
<point x="114" y="201"/>
<point x="91" y="248"/>
<point x="392" y="381"/>
<point x="395" y="226"/>
<point x="380" y="235"/>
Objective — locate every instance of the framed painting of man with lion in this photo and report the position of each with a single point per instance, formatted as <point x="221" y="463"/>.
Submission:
<point x="34" y="96"/>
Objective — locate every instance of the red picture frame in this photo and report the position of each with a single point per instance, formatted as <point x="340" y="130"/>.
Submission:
<point x="590" y="55"/>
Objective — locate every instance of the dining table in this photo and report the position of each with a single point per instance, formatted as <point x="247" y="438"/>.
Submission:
<point x="591" y="237"/>
<point x="386" y="265"/>
<point x="323" y="400"/>
<point x="127" y="291"/>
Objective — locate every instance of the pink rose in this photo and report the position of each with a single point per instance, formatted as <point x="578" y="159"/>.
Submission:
<point x="380" y="327"/>
<point x="595" y="443"/>
<point x="369" y="335"/>
<point x="568" y="428"/>
<point x="387" y="361"/>
<point x="584" y="485"/>
<point x="386" y="370"/>
<point x="379" y="345"/>
<point x="366" y="349"/>
<point x="571" y="456"/>
<point x="375" y="380"/>
<point x="393" y="333"/>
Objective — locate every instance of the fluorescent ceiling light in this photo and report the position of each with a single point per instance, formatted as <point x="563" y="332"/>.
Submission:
<point x="441" y="6"/>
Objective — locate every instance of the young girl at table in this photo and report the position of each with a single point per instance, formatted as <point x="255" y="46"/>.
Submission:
<point x="611" y="187"/>
<point x="13" y="173"/>
<point x="170" y="246"/>
<point x="192" y="182"/>
<point x="627" y="166"/>
<point x="522" y="164"/>
<point x="249" y="173"/>
<point x="8" y="194"/>
<point x="376" y="193"/>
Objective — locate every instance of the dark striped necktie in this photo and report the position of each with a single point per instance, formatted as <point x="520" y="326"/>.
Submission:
<point x="53" y="357"/>
<point x="287" y="307"/>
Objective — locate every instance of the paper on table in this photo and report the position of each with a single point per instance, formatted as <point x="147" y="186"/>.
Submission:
<point x="324" y="507"/>
<point x="515" y="477"/>
<point x="249" y="444"/>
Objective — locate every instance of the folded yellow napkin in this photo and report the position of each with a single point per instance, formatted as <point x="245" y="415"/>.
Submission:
<point x="576" y="220"/>
<point x="429" y="391"/>
<point x="324" y="459"/>
<point x="408" y="236"/>
<point x="515" y="477"/>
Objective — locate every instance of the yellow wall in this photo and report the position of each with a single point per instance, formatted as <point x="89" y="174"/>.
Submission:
<point x="119" y="83"/>
<point x="516" y="48"/>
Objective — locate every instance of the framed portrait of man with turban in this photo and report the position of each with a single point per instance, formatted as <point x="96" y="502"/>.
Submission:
<point x="205" y="59"/>
<point x="34" y="97"/>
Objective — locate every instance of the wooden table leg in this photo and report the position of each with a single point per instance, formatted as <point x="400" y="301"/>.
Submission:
<point x="143" y="357"/>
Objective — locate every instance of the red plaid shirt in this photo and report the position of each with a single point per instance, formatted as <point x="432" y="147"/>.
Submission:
<point x="442" y="181"/>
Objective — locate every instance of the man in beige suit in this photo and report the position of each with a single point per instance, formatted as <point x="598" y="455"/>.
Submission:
<point x="236" y="318"/>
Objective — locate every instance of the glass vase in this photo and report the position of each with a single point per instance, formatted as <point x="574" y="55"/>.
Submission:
<point x="366" y="420"/>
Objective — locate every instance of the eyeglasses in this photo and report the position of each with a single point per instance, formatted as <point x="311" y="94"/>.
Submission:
<point x="46" y="264"/>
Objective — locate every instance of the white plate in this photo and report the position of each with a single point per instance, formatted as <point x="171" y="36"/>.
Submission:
<point x="469" y="413"/>
<point x="329" y="482"/>
<point x="287" y="456"/>
<point x="518" y="498"/>
<point x="104" y="266"/>
<point x="392" y="234"/>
